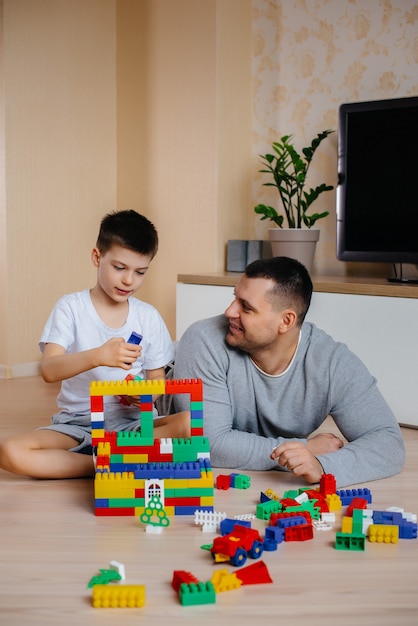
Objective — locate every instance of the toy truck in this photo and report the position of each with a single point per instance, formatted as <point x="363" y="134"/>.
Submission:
<point x="237" y="545"/>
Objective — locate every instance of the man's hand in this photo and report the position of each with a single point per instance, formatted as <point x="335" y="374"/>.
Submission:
<point x="300" y="459"/>
<point x="324" y="443"/>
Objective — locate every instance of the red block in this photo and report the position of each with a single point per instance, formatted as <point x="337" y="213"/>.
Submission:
<point x="356" y="503"/>
<point x="180" y="577"/>
<point x="298" y="533"/>
<point x="96" y="404"/>
<point x="223" y="482"/>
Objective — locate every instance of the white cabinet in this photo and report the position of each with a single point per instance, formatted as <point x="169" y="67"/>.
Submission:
<point x="382" y="331"/>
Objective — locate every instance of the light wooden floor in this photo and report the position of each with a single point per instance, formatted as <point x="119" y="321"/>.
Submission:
<point x="51" y="544"/>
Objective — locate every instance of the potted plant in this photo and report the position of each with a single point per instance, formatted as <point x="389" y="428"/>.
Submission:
<point x="289" y="171"/>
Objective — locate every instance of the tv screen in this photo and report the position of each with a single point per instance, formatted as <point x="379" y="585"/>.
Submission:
<point x="377" y="193"/>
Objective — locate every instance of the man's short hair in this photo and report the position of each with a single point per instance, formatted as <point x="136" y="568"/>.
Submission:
<point x="130" y="230"/>
<point x="292" y="283"/>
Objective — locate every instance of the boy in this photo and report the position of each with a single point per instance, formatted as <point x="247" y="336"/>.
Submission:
<point x="85" y="339"/>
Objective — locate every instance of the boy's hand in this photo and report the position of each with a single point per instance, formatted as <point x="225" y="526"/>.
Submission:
<point x="300" y="459"/>
<point x="131" y="401"/>
<point x="118" y="353"/>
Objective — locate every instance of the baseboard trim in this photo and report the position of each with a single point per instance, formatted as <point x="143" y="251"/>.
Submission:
<point x="20" y="370"/>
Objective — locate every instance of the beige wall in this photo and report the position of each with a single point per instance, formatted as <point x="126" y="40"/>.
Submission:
<point x="184" y="131"/>
<point x="163" y="106"/>
<point x="59" y="64"/>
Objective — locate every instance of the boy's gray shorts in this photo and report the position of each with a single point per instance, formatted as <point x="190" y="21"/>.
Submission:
<point x="78" y="426"/>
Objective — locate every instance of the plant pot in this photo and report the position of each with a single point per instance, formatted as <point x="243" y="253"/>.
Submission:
<point x="296" y="243"/>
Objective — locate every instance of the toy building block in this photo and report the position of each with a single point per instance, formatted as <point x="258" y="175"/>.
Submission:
<point x="351" y="542"/>
<point x="240" y="481"/>
<point x="154" y="514"/>
<point x="357" y="516"/>
<point x="197" y="593"/>
<point x="265" y="509"/>
<point x="118" y="567"/>
<point x="118" y="596"/>
<point x="271" y="494"/>
<point x="223" y="481"/>
<point x="321" y="525"/>
<point x="254" y="574"/>
<point x="327" y="484"/>
<point x="383" y="533"/>
<point x="347" y="495"/>
<point x="333" y="501"/>
<point x="104" y="577"/>
<point x="273" y="535"/>
<point x="226" y="525"/>
<point x="302" y="532"/>
<point x="222" y="580"/>
<point x="356" y="503"/>
<point x="180" y="577"/>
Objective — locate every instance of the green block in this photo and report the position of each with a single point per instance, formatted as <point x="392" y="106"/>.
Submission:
<point x="263" y="510"/>
<point x="132" y="438"/>
<point x="196" y="423"/>
<point x="194" y="492"/>
<point x="242" y="481"/>
<point x="196" y="405"/>
<point x="355" y="542"/>
<point x="309" y="506"/>
<point x="357" y="527"/>
<point x="125" y="503"/>
<point x="291" y="494"/>
<point x="197" y="593"/>
<point x="189" y="449"/>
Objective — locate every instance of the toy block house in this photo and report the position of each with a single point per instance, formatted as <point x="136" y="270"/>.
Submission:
<point x="132" y="467"/>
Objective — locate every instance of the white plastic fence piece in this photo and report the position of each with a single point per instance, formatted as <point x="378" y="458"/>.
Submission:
<point x="208" y="517"/>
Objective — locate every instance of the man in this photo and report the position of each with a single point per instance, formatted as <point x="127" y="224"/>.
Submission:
<point x="271" y="379"/>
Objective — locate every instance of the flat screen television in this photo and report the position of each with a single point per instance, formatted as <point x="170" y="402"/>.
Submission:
<point x="377" y="192"/>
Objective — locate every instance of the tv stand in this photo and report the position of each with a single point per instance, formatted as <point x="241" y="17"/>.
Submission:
<point x="403" y="281"/>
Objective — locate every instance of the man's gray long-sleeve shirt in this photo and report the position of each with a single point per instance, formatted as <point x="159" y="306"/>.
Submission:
<point x="248" y="412"/>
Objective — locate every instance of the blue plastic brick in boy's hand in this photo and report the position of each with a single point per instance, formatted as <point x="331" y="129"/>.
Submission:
<point x="135" y="338"/>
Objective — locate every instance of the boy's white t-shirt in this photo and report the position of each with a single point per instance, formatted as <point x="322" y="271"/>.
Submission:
<point x="75" y="325"/>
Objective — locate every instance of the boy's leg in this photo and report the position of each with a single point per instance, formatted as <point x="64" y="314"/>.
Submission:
<point x="44" y="454"/>
<point x="176" y="425"/>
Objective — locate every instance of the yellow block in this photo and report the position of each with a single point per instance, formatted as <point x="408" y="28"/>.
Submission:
<point x="334" y="502"/>
<point x="347" y="525"/>
<point x="118" y="596"/>
<point x="207" y="501"/>
<point x="127" y="387"/>
<point x="383" y="533"/>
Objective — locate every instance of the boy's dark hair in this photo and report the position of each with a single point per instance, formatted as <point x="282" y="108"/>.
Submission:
<point x="293" y="285"/>
<point x="130" y="230"/>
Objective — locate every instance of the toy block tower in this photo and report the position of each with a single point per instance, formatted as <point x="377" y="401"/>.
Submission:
<point x="132" y="467"/>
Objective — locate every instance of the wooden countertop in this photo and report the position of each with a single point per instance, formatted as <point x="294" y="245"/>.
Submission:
<point x="327" y="284"/>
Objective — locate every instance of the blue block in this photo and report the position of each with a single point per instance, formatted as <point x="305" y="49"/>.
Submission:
<point x="227" y="525"/>
<point x="408" y="530"/>
<point x="274" y="533"/>
<point x="347" y="495"/>
<point x="154" y="470"/>
<point x="293" y="520"/>
<point x="187" y="470"/>
<point x="102" y="503"/>
<point x="190" y="510"/>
